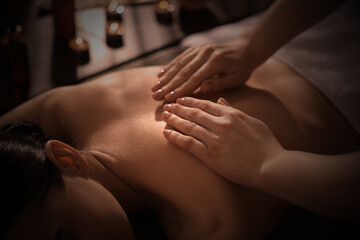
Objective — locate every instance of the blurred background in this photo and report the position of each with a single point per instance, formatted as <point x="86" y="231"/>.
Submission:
<point x="50" y="43"/>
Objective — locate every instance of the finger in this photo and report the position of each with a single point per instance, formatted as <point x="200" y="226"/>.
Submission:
<point x="222" y="82"/>
<point x="187" y="127"/>
<point x="206" y="71"/>
<point x="169" y="75"/>
<point x="223" y="101"/>
<point x="193" y="114"/>
<point x="185" y="82"/>
<point x="172" y="62"/>
<point x="205" y="105"/>
<point x="187" y="143"/>
<point x="169" y="66"/>
<point x="182" y="79"/>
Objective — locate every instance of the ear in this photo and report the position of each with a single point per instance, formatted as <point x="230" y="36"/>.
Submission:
<point x="65" y="156"/>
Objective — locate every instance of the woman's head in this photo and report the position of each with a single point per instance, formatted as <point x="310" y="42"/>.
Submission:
<point x="46" y="192"/>
<point x="25" y="172"/>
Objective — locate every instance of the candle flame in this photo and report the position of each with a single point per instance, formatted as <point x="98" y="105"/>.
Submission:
<point x="171" y="8"/>
<point x="18" y="28"/>
<point x="112" y="6"/>
<point x="114" y="26"/>
<point x="163" y="4"/>
<point x="79" y="41"/>
<point x="120" y="9"/>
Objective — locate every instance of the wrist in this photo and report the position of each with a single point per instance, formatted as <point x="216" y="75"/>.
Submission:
<point x="268" y="166"/>
<point x="256" y="48"/>
<point x="248" y="56"/>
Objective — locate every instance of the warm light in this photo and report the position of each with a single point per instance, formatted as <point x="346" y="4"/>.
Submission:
<point x="171" y="8"/>
<point x="80" y="46"/>
<point x="163" y="4"/>
<point x="79" y="41"/>
<point x="112" y="6"/>
<point x="114" y="26"/>
<point x="120" y="9"/>
<point x="18" y="28"/>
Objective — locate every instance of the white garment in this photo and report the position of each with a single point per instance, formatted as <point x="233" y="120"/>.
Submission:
<point x="328" y="55"/>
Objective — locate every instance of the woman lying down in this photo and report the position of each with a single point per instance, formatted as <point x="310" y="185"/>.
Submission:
<point x="103" y="157"/>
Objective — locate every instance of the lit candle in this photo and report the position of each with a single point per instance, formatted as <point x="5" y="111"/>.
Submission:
<point x="164" y="10"/>
<point x="114" y="34"/>
<point x="114" y="11"/>
<point x="80" y="48"/>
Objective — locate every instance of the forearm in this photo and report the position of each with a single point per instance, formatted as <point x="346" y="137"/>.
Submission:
<point x="284" y="20"/>
<point x="320" y="183"/>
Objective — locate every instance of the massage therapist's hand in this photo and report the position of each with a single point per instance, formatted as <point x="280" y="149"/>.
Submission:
<point x="228" y="141"/>
<point x="211" y="67"/>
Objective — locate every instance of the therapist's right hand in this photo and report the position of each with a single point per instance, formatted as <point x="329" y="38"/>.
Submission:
<point x="210" y="67"/>
<point x="228" y="141"/>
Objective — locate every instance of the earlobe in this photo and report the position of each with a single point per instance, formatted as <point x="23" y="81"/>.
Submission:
<point x="65" y="156"/>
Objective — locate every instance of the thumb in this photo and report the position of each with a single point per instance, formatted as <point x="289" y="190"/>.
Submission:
<point x="223" y="101"/>
<point x="218" y="83"/>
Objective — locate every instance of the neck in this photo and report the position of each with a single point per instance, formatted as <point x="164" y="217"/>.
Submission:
<point x="128" y="197"/>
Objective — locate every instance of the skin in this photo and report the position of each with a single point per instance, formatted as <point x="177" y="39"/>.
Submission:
<point x="72" y="213"/>
<point x="217" y="66"/>
<point x="239" y="147"/>
<point x="243" y="150"/>
<point x="78" y="216"/>
<point x="116" y="126"/>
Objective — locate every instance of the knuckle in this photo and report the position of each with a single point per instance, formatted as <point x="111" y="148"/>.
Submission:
<point x="166" y="88"/>
<point x="204" y="106"/>
<point x="188" y="101"/>
<point x="179" y="64"/>
<point x="174" y="137"/>
<point x="193" y="114"/>
<point x="224" y="126"/>
<point x="229" y="122"/>
<point x="208" y="48"/>
<point x="217" y="56"/>
<point x="190" y="127"/>
<point x="175" y="108"/>
<point x="184" y="73"/>
<point x="188" y="143"/>
<point x="196" y="76"/>
<point x="234" y="115"/>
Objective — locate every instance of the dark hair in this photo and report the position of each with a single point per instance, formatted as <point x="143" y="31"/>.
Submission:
<point x="26" y="174"/>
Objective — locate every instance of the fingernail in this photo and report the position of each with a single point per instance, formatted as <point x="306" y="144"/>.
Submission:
<point x="167" y="107"/>
<point x="156" y="86"/>
<point x="170" y="96"/>
<point x="162" y="71"/>
<point x="180" y="100"/>
<point x="207" y="87"/>
<point x="157" y="95"/>
<point x="166" y="115"/>
<point x="166" y="132"/>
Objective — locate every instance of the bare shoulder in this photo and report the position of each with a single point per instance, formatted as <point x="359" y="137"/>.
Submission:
<point x="41" y="109"/>
<point x="130" y="77"/>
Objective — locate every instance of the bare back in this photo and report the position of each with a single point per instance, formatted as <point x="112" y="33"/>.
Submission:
<point x="116" y="117"/>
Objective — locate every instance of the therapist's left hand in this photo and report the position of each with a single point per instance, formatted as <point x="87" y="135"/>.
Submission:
<point x="228" y="141"/>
